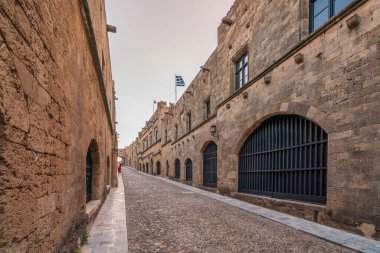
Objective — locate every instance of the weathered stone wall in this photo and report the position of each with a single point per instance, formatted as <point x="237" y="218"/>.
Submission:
<point x="51" y="109"/>
<point x="337" y="86"/>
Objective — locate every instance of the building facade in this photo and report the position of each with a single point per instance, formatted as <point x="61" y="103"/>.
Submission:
<point x="285" y="113"/>
<point x="58" y="145"/>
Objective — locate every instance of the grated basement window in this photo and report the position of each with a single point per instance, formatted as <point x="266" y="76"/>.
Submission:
<point x="286" y="158"/>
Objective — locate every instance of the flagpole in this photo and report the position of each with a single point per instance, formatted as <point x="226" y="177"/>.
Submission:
<point x="175" y="86"/>
<point x="153" y="106"/>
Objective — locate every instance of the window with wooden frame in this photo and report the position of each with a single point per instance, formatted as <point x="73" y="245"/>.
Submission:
<point x="322" y="10"/>
<point x="241" y="71"/>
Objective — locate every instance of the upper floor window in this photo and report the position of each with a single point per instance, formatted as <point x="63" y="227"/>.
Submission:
<point x="208" y="108"/>
<point x="241" y="74"/>
<point x="322" y="10"/>
<point x="189" y="121"/>
<point x="176" y="132"/>
<point x="166" y="136"/>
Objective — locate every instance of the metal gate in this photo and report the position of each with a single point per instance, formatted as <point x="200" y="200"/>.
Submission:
<point x="177" y="169"/>
<point x="88" y="176"/>
<point x="286" y="157"/>
<point x="189" y="170"/>
<point x="210" y="165"/>
<point x="158" y="167"/>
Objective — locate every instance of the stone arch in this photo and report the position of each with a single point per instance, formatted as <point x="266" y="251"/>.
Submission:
<point x="93" y="173"/>
<point x="309" y="112"/>
<point x="204" y="146"/>
<point x="285" y="157"/>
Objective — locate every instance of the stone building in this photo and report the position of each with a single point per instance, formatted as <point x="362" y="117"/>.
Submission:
<point x="58" y="145"/>
<point x="284" y="114"/>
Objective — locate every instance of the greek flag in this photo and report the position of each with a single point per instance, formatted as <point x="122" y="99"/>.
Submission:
<point x="179" y="81"/>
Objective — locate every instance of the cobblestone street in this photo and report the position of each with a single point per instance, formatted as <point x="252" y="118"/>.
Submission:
<point x="165" y="218"/>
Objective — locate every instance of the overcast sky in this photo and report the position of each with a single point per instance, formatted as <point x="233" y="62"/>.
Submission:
<point x="155" y="40"/>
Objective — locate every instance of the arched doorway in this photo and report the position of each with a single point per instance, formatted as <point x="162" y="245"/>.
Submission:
<point x="177" y="171"/>
<point x="158" y="167"/>
<point x="210" y="165"/>
<point x="94" y="185"/>
<point x="146" y="168"/>
<point x="88" y="176"/>
<point x="189" y="170"/>
<point x="285" y="157"/>
<point x="167" y="168"/>
<point x="108" y="171"/>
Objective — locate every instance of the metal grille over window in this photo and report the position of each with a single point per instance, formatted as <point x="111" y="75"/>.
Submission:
<point x="189" y="170"/>
<point x="286" y="157"/>
<point x="241" y="75"/>
<point x="177" y="169"/>
<point x="210" y="165"/>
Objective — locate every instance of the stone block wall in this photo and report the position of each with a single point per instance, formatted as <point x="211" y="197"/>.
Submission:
<point x="335" y="85"/>
<point x="51" y="109"/>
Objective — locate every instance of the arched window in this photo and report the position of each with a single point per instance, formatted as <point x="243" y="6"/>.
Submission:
<point x="210" y="170"/>
<point x="286" y="157"/>
<point x="177" y="169"/>
<point x="189" y="170"/>
<point x="158" y="168"/>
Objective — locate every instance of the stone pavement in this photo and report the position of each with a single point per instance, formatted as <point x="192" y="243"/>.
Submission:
<point x="166" y="216"/>
<point x="109" y="232"/>
<point x="333" y="235"/>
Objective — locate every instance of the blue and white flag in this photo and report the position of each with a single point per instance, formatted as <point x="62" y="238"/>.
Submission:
<point x="179" y="81"/>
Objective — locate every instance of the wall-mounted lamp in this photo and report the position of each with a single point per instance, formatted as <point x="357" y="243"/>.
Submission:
<point x="213" y="130"/>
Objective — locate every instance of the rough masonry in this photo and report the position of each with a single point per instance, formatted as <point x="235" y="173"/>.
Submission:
<point x="328" y="78"/>
<point x="56" y="112"/>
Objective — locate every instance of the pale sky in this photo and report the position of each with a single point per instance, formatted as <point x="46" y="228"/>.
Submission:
<point x="155" y="40"/>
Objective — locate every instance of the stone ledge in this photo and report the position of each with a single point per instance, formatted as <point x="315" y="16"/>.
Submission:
<point x="299" y="209"/>
<point x="92" y="209"/>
